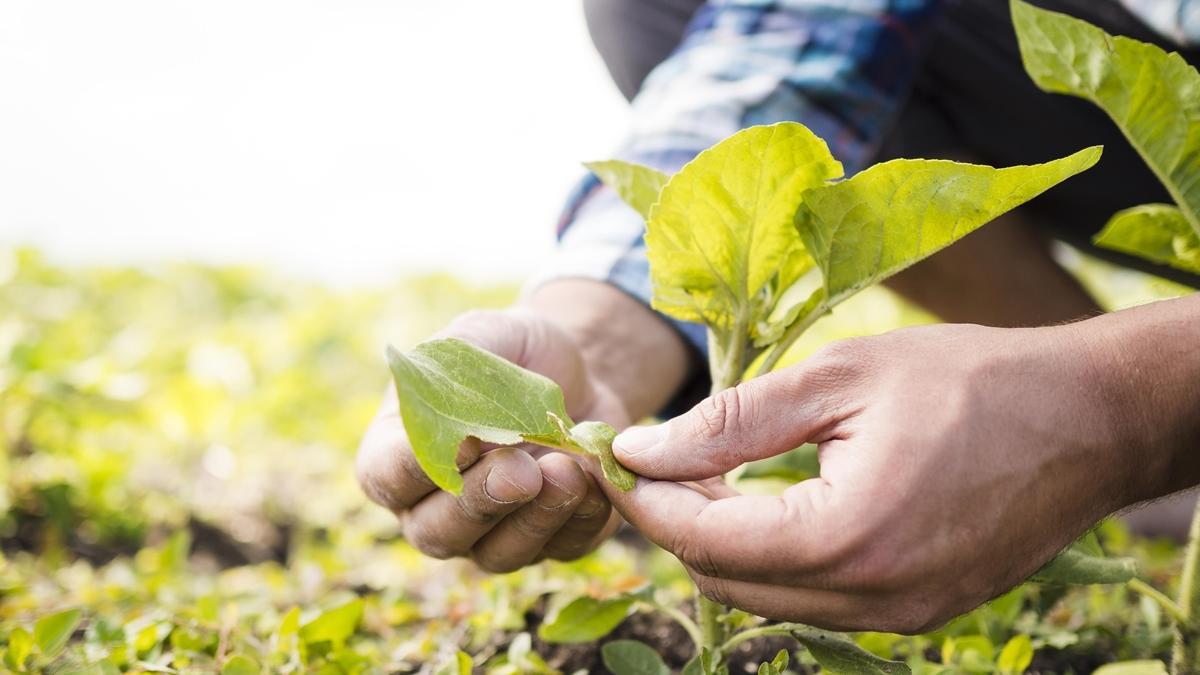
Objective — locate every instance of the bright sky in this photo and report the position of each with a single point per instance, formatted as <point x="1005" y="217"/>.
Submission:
<point x="350" y="141"/>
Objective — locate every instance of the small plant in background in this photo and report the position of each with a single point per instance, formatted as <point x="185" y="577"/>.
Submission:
<point x="1154" y="98"/>
<point x="757" y="238"/>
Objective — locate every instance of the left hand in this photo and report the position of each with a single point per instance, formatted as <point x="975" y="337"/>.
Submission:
<point x="955" y="461"/>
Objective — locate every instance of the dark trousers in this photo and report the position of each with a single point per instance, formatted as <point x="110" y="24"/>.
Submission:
<point x="971" y="100"/>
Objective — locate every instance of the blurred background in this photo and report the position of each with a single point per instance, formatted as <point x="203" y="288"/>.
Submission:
<point x="347" y="142"/>
<point x="213" y="217"/>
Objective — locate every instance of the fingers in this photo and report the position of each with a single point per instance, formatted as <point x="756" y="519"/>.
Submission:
<point x="502" y="481"/>
<point x="592" y="522"/>
<point x="796" y="536"/>
<point x="520" y="538"/>
<point x="754" y="420"/>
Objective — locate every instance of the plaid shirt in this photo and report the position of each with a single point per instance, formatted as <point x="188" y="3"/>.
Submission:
<point x="841" y="67"/>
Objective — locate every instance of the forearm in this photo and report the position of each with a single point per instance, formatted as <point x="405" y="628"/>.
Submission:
<point x="1147" y="371"/>
<point x="625" y="345"/>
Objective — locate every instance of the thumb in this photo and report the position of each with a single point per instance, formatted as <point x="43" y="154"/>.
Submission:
<point x="761" y="418"/>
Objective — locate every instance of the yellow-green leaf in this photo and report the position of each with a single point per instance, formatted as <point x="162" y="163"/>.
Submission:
<point x="51" y="633"/>
<point x="638" y="185"/>
<point x="450" y="390"/>
<point x="869" y="227"/>
<point x="240" y="664"/>
<point x="721" y="230"/>
<point x="1157" y="232"/>
<point x="585" y="619"/>
<point x="20" y="646"/>
<point x="1152" y="95"/>
<point x="1133" y="668"/>
<point x="1016" y="655"/>
<point x="333" y="626"/>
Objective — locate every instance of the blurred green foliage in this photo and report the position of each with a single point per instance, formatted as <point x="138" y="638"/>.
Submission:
<point x="178" y="492"/>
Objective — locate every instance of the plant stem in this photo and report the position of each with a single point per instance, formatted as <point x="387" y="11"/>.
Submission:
<point x="682" y="619"/>
<point x="726" y="366"/>
<point x="789" y="338"/>
<point x="750" y="634"/>
<point x="1185" y="657"/>
<point x="1168" y="605"/>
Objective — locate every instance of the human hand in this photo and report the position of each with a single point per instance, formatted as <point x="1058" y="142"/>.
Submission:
<point x="955" y="461"/>
<point x="518" y="505"/>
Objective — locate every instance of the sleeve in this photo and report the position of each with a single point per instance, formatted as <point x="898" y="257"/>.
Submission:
<point x="841" y="67"/>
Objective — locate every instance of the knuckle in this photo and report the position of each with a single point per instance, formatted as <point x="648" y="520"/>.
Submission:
<point x="713" y="588"/>
<point x="696" y="556"/>
<point x="723" y="412"/>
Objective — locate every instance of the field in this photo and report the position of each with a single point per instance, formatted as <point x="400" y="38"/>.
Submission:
<point x="178" y="452"/>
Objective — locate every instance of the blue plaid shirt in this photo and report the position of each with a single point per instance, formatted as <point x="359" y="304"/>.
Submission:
<point x="841" y="67"/>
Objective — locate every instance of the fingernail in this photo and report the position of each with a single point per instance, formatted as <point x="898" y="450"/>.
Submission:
<point x="502" y="489"/>
<point x="636" y="440"/>
<point x="564" y="497"/>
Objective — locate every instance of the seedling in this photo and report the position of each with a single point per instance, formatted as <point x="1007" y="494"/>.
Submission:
<point x="756" y="238"/>
<point x="1154" y="98"/>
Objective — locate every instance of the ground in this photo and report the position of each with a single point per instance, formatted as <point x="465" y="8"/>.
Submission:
<point x="178" y="450"/>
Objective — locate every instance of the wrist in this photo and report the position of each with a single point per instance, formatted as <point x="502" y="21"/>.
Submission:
<point x="625" y="346"/>
<point x="1142" y="384"/>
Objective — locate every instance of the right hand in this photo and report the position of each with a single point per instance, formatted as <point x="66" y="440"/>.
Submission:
<point x="518" y="505"/>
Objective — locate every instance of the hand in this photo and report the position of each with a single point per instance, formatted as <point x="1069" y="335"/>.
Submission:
<point x="955" y="461"/>
<point x="518" y="505"/>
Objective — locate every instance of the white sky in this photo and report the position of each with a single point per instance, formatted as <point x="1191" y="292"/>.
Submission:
<point x="350" y="141"/>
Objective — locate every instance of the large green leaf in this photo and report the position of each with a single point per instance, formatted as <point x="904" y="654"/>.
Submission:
<point x="1157" y="232"/>
<point x="869" y="227"/>
<point x="638" y="185"/>
<point x="630" y="657"/>
<point x="720" y="232"/>
<point x="450" y="390"/>
<point x="585" y="619"/>
<point x="838" y="654"/>
<point x="51" y="633"/>
<point x="1152" y="95"/>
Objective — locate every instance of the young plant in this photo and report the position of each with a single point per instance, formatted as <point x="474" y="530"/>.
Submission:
<point x="1154" y="98"/>
<point x="756" y="238"/>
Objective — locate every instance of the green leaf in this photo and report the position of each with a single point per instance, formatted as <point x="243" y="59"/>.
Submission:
<point x="1079" y="565"/>
<point x="775" y="666"/>
<point x="450" y="390"/>
<point x="333" y="626"/>
<point x="1016" y="655"/>
<point x="585" y="619"/>
<point x="1156" y="232"/>
<point x="869" y="227"/>
<point x="638" y="185"/>
<point x="1133" y="668"/>
<point x="51" y="633"/>
<point x="839" y="655"/>
<point x="596" y="439"/>
<point x="721" y="230"/>
<point x="240" y="664"/>
<point x="1152" y="95"/>
<point x="630" y="657"/>
<point x="20" y="646"/>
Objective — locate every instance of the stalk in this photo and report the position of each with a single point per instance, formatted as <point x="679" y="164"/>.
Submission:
<point x="1185" y="657"/>
<point x="726" y="365"/>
